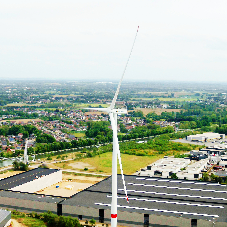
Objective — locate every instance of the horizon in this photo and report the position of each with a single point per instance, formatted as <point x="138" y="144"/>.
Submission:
<point x="109" y="81"/>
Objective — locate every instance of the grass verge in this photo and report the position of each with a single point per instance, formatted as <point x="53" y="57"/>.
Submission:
<point x="28" y="221"/>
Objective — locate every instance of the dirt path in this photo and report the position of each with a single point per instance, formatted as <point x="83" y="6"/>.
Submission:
<point x="15" y="223"/>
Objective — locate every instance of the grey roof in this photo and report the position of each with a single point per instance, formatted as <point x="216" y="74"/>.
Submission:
<point x="30" y="196"/>
<point x="221" y="173"/>
<point x="22" y="178"/>
<point x="3" y="215"/>
<point x="189" y="199"/>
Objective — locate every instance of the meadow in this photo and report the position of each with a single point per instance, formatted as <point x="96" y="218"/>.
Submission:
<point x="158" y="111"/>
<point x="103" y="163"/>
<point x="180" y="99"/>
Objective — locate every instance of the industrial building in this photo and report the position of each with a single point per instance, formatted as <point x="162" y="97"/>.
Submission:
<point x="205" y="137"/>
<point x="223" y="161"/>
<point x="17" y="192"/>
<point x="153" y="201"/>
<point x="213" y="150"/>
<point x="183" y="167"/>
<point x="165" y="167"/>
<point x="194" y="170"/>
<point x="31" y="181"/>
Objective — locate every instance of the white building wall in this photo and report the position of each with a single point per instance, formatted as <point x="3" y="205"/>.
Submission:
<point x="40" y="183"/>
<point x="206" y="135"/>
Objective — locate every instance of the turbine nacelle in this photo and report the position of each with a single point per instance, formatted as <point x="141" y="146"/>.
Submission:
<point x="119" y="111"/>
<point x="108" y="110"/>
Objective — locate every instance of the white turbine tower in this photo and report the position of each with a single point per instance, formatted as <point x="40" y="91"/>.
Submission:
<point x="26" y="152"/>
<point x="116" y="151"/>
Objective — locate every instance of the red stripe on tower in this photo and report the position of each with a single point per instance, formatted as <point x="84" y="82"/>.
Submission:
<point x="113" y="215"/>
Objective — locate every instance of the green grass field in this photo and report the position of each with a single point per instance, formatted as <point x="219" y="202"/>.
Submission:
<point x="103" y="163"/>
<point x="22" y="104"/>
<point x="86" y="105"/>
<point x="167" y="99"/>
<point x="130" y="163"/>
<point x="78" y="134"/>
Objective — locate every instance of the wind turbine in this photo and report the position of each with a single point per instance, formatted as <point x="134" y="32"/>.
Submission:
<point x="116" y="151"/>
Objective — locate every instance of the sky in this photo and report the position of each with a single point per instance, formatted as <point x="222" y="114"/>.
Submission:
<point x="91" y="40"/>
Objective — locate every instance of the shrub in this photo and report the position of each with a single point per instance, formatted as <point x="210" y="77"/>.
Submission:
<point x="20" y="166"/>
<point x="92" y="221"/>
<point x="174" y="176"/>
<point x="16" y="212"/>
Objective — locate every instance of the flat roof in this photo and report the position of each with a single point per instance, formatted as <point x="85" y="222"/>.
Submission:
<point x="22" y="178"/>
<point x="221" y="173"/>
<point x="180" y="198"/>
<point x="30" y="197"/>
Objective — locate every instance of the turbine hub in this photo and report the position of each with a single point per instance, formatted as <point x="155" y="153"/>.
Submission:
<point x="119" y="111"/>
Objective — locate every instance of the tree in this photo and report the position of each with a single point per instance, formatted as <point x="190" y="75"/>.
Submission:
<point x="23" y="166"/>
<point x="205" y="177"/>
<point x="123" y="128"/>
<point x="20" y="166"/>
<point x="98" y="128"/>
<point x="138" y="113"/>
<point x="16" y="165"/>
<point x="45" y="138"/>
<point x="25" y="134"/>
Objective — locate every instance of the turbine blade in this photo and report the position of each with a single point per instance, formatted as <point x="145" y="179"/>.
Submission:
<point x="114" y="128"/>
<point x="98" y="109"/>
<point x="116" y="94"/>
<point x="119" y="85"/>
<point x="122" y="174"/>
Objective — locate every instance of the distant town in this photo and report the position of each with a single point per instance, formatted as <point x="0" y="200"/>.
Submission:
<point x="171" y="133"/>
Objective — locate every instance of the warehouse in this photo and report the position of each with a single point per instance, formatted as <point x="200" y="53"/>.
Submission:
<point x="162" y="202"/>
<point x="26" y="183"/>
<point x="205" y="137"/>
<point x="165" y="167"/>
<point x="31" y="181"/>
<point x="183" y="167"/>
<point x="156" y="201"/>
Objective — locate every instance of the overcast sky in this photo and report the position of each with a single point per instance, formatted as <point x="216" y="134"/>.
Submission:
<point x="91" y="39"/>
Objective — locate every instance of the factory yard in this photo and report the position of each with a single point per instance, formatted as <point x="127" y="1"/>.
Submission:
<point x="70" y="185"/>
